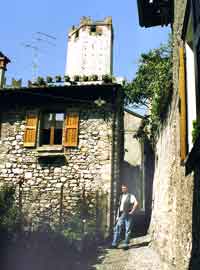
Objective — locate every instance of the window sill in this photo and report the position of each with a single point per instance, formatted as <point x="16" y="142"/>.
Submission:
<point x="50" y="151"/>
<point x="50" y="148"/>
<point x="48" y="154"/>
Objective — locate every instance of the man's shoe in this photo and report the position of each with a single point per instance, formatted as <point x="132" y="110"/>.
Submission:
<point x="126" y="247"/>
<point x="113" y="246"/>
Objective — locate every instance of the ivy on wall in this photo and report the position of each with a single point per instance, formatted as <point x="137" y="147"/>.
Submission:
<point x="152" y="88"/>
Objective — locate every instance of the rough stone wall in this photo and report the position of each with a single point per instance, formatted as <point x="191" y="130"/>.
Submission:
<point x="171" y="223"/>
<point x="49" y="189"/>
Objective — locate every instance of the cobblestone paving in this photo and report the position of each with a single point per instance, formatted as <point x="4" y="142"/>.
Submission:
<point x="140" y="256"/>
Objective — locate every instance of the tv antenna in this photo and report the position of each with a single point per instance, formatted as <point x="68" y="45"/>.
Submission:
<point x="44" y="37"/>
<point x="35" y="51"/>
<point x="35" y="47"/>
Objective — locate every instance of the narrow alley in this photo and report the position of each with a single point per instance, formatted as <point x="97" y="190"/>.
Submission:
<point x="140" y="256"/>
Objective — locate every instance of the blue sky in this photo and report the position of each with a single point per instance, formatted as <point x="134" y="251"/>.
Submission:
<point x="22" y="19"/>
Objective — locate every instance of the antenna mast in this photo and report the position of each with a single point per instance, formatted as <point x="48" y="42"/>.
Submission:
<point x="37" y="38"/>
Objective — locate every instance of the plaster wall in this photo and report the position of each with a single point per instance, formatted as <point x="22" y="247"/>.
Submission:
<point x="191" y="96"/>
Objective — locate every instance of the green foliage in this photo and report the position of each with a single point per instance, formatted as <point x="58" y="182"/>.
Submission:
<point x="142" y="131"/>
<point x="41" y="81"/>
<point x="81" y="225"/>
<point x="9" y="214"/>
<point x="49" y="79"/>
<point x="85" y="78"/>
<point x="94" y="77"/>
<point x="152" y="87"/>
<point x="66" y="78"/>
<point x="107" y="78"/>
<point x="195" y="131"/>
<point x="58" y="78"/>
<point x="76" y="78"/>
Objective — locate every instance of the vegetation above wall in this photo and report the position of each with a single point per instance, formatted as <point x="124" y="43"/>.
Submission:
<point x="49" y="81"/>
<point x="152" y="88"/>
<point x="195" y="131"/>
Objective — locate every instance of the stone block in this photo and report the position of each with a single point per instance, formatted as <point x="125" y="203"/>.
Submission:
<point x="8" y="165"/>
<point x="18" y="171"/>
<point x="28" y="175"/>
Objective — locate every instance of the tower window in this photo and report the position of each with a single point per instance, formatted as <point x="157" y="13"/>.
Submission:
<point x="93" y="29"/>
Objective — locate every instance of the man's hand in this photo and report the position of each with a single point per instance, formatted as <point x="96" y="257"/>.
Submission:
<point x="133" y="209"/>
<point x="131" y="212"/>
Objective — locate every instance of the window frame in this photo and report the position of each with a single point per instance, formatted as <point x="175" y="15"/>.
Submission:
<point x="52" y="128"/>
<point x="69" y="132"/>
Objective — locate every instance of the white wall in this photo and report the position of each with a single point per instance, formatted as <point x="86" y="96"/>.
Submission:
<point x="191" y="99"/>
<point x="88" y="53"/>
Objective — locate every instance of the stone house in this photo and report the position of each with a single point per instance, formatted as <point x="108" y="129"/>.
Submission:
<point x="174" y="226"/>
<point x="58" y="145"/>
<point x="63" y="145"/>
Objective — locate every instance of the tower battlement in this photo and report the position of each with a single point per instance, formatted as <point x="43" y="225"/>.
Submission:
<point x="87" y="21"/>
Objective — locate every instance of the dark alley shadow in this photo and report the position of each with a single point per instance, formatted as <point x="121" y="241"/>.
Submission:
<point x="143" y="244"/>
<point x="149" y="169"/>
<point x="139" y="180"/>
<point x="195" y="254"/>
<point x="52" y="251"/>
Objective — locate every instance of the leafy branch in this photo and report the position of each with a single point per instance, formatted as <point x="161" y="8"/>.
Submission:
<point x="152" y="88"/>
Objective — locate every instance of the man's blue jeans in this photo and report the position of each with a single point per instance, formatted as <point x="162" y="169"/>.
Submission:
<point x="125" y="220"/>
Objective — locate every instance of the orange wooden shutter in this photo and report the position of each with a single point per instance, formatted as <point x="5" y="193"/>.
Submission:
<point x="31" y="129"/>
<point x="70" y="136"/>
<point x="182" y="94"/>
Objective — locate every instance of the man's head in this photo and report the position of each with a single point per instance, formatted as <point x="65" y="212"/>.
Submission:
<point x="124" y="188"/>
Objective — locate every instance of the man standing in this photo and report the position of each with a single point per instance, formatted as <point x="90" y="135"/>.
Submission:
<point x="127" y="206"/>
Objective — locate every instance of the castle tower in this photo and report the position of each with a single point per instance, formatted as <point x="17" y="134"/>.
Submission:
<point x="90" y="48"/>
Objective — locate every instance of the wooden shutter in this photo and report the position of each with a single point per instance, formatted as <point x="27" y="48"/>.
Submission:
<point x="182" y="94"/>
<point x="31" y="129"/>
<point x="70" y="136"/>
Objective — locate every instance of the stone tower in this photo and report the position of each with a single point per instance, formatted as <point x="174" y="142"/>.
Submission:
<point x="90" y="48"/>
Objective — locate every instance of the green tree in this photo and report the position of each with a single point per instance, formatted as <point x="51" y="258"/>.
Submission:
<point x="152" y="87"/>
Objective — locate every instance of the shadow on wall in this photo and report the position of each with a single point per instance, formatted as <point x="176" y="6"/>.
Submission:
<point x="195" y="254"/>
<point x="139" y="180"/>
<point x="48" y="250"/>
<point x="149" y="169"/>
<point x="131" y="176"/>
<point x="74" y="245"/>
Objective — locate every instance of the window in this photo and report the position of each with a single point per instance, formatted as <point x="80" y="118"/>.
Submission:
<point x="93" y="29"/>
<point x="56" y="128"/>
<point x="51" y="128"/>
